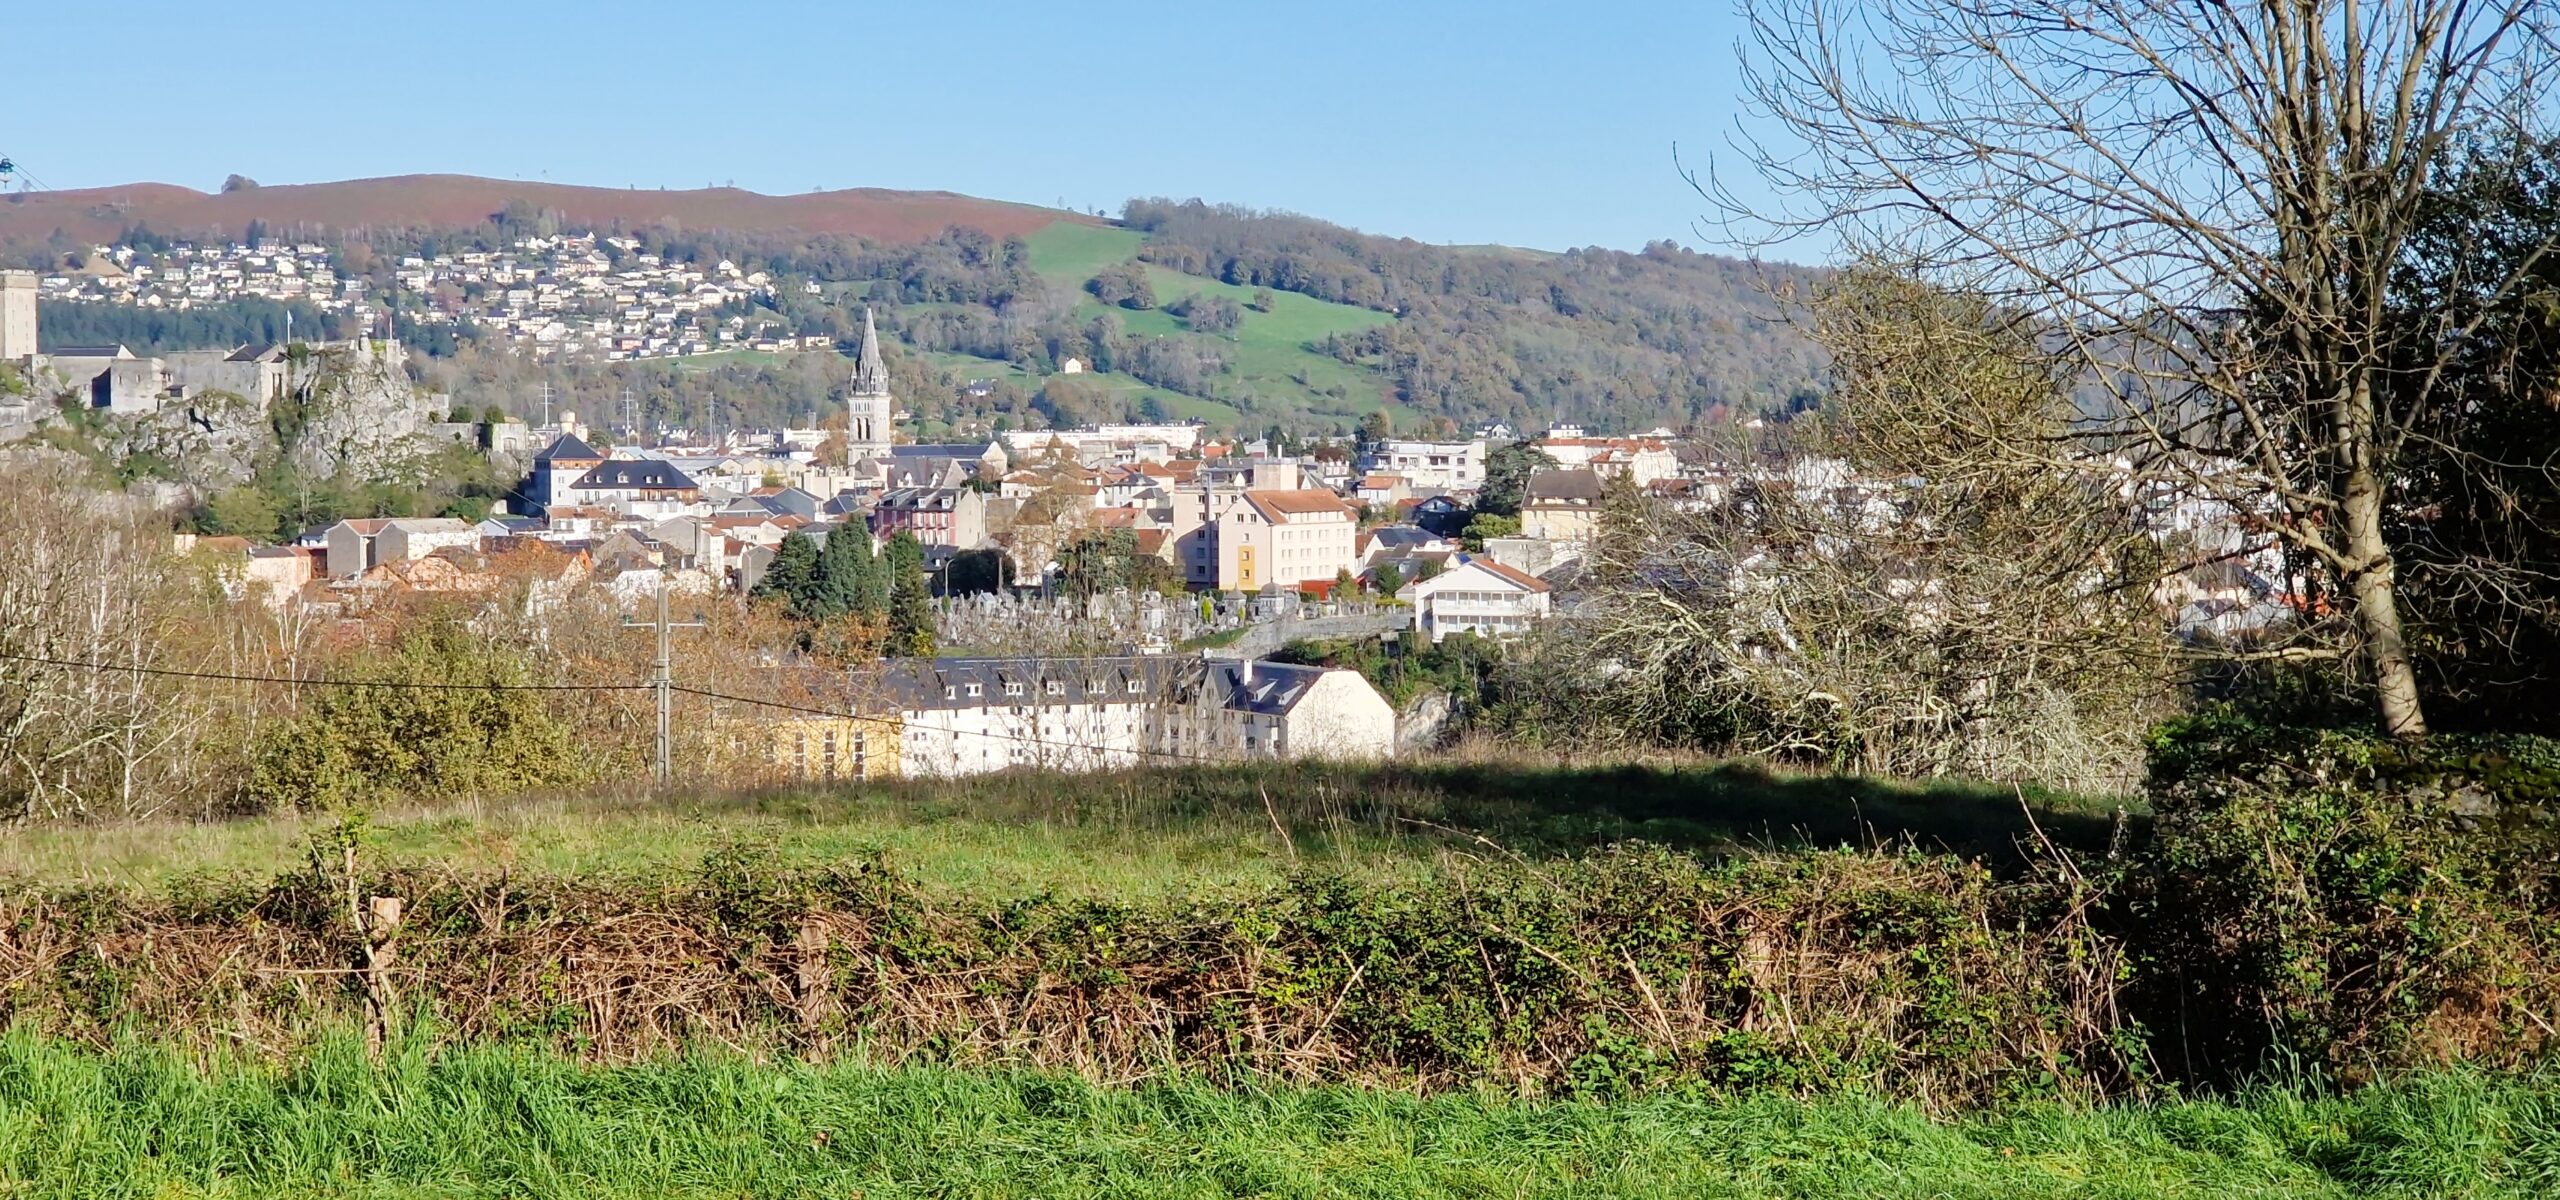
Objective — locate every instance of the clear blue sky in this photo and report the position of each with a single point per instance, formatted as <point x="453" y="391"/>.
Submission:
<point x="1535" y="124"/>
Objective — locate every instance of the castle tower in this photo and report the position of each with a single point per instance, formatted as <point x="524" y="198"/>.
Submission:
<point x="17" y="315"/>
<point x="869" y="410"/>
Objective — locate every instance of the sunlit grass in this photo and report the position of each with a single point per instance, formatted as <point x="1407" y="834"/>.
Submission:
<point x="140" y="1121"/>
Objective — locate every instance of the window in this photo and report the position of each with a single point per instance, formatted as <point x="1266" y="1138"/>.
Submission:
<point x="1056" y="687"/>
<point x="831" y="754"/>
<point x="949" y="692"/>
<point x="1013" y="687"/>
<point x="976" y="689"/>
<point x="1133" y="687"/>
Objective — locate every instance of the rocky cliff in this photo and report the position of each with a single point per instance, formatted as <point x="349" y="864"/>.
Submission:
<point x="347" y="408"/>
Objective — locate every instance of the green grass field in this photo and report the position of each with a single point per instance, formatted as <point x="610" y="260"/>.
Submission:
<point x="139" y="1122"/>
<point x="1269" y="352"/>
<point x="1132" y="835"/>
<point x="1070" y="252"/>
<point x="1178" y="405"/>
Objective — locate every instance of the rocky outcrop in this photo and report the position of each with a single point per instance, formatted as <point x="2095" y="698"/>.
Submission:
<point x="1427" y="722"/>
<point x="357" y="413"/>
<point x="346" y="408"/>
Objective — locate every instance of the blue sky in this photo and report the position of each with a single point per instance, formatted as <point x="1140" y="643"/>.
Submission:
<point x="1536" y="124"/>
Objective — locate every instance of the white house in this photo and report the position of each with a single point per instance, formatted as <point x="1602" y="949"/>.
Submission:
<point x="1477" y="595"/>
<point x="969" y="716"/>
<point x="1242" y="709"/>
<point x="1429" y="466"/>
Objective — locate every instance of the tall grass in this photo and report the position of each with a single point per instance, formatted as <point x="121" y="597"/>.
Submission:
<point x="1132" y="834"/>
<point x="140" y="1121"/>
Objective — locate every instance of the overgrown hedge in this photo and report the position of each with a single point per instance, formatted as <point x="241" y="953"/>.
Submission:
<point x="1904" y="975"/>
<point x="2303" y="901"/>
<point x="2326" y="900"/>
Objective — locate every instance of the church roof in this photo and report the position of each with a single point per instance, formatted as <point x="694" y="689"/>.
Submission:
<point x="870" y="375"/>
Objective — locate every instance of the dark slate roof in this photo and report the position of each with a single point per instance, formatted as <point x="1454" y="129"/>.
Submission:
<point x="89" y="352"/>
<point x="567" y="445"/>
<point x="920" y="499"/>
<point x="1273" y="690"/>
<point x="944" y="683"/>
<point x="1402" y="537"/>
<point x="953" y="450"/>
<point x="1582" y="484"/>
<point x="256" y="353"/>
<point x="639" y="473"/>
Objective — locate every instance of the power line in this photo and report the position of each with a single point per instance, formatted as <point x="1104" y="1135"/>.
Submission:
<point x="304" y="681"/>
<point x="670" y="686"/>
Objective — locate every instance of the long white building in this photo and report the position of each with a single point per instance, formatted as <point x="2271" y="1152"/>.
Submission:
<point x="971" y="716"/>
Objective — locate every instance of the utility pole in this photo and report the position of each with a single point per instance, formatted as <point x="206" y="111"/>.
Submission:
<point x="663" y="680"/>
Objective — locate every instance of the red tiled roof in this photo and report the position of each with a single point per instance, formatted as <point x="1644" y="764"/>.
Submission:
<point x="1522" y="578"/>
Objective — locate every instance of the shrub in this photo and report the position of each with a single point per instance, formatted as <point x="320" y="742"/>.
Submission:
<point x="352" y="746"/>
<point x="2342" y="901"/>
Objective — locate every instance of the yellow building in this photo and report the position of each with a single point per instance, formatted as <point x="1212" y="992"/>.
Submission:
<point x="834" y="748"/>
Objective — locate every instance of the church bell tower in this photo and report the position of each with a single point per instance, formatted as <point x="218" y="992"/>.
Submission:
<point x="869" y="410"/>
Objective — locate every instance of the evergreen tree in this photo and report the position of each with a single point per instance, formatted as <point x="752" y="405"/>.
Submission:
<point x="844" y="566"/>
<point x="793" y="570"/>
<point x="910" y="609"/>
<point x="1386" y="580"/>
<point x="871" y="588"/>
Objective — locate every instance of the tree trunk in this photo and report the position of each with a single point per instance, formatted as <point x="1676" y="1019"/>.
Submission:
<point x="2373" y="587"/>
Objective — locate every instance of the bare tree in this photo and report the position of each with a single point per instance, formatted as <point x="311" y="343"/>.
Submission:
<point x="1905" y="598"/>
<point x="2204" y="199"/>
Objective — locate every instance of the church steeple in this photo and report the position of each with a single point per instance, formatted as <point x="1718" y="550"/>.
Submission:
<point x="870" y="375"/>
<point x="869" y="411"/>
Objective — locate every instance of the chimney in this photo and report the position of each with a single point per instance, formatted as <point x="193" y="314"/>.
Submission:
<point x="1244" y="672"/>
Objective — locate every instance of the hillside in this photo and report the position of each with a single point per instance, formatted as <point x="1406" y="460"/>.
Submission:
<point x="462" y="201"/>
<point x="1242" y="318"/>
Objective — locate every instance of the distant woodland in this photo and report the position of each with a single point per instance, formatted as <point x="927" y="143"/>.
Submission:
<point x="1621" y="340"/>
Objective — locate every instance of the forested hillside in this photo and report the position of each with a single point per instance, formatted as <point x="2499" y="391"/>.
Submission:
<point x="1621" y="340"/>
<point x="1247" y="320"/>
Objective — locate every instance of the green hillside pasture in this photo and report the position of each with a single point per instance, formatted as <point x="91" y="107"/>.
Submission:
<point x="1269" y="353"/>
<point x="1179" y="406"/>
<point x="140" y="1121"/>
<point x="1069" y="252"/>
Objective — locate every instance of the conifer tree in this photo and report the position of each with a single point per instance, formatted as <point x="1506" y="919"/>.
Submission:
<point x="911" y="629"/>
<point x="794" y="568"/>
<point x="843" y="567"/>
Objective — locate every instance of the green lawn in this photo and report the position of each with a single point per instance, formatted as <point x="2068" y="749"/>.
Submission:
<point x="142" y="1122"/>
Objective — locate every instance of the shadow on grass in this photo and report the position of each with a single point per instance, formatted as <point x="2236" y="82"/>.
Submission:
<point x="1528" y="806"/>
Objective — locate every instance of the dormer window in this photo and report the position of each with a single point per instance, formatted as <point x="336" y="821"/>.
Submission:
<point x="1133" y="687"/>
<point x="1013" y="688"/>
<point x="977" y="689"/>
<point x="1056" y="687"/>
<point x="949" y="692"/>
